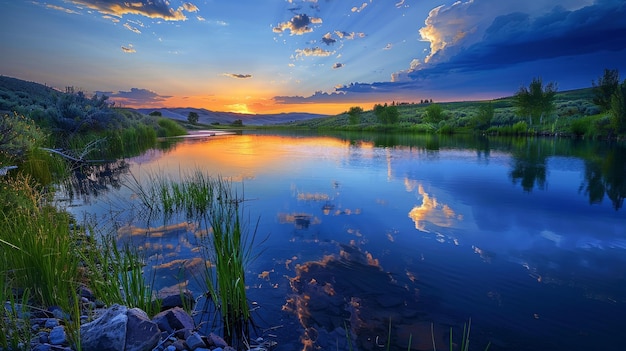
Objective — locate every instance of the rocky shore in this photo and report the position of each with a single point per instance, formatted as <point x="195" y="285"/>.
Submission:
<point x="118" y="327"/>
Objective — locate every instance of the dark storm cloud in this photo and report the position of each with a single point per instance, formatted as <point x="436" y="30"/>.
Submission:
<point x="563" y="44"/>
<point x="516" y="37"/>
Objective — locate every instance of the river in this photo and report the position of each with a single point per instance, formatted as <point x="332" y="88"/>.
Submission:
<point x="404" y="235"/>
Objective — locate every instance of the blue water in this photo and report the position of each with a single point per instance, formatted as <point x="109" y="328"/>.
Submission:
<point x="527" y="238"/>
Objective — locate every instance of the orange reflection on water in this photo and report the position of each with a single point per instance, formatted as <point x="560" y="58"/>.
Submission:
<point x="246" y="156"/>
<point x="431" y="211"/>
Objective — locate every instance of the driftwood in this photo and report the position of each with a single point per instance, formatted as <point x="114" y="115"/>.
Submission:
<point x="81" y="156"/>
<point x="4" y="170"/>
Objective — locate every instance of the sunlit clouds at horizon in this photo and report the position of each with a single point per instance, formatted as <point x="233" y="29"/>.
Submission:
<point x="308" y="55"/>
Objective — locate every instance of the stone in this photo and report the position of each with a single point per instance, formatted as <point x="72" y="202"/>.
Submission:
<point x="195" y="341"/>
<point x="173" y="320"/>
<point x="107" y="332"/>
<point x="51" y="323"/>
<point x="142" y="334"/>
<point x="42" y="347"/>
<point x="57" y="335"/>
<point x="174" y="297"/>
<point x="216" y="340"/>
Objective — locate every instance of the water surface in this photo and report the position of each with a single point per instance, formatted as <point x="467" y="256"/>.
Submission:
<point x="527" y="237"/>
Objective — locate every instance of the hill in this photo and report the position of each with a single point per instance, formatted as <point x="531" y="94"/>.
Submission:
<point x="213" y="117"/>
<point x="461" y="115"/>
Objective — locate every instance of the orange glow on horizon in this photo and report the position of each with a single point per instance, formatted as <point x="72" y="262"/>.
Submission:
<point x="245" y="105"/>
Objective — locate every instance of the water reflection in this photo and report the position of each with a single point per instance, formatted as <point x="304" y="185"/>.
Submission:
<point x="604" y="175"/>
<point x="433" y="212"/>
<point x="514" y="233"/>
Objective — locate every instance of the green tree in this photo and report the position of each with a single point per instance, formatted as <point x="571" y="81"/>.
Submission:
<point x="434" y="113"/>
<point x="483" y="118"/>
<point x="155" y="113"/>
<point x="618" y="109"/>
<point x="536" y="101"/>
<point x="354" y="114"/>
<point x="605" y="88"/>
<point x="193" y="117"/>
<point x="379" y="112"/>
<point x="392" y="114"/>
<point x="386" y="114"/>
<point x="237" y="123"/>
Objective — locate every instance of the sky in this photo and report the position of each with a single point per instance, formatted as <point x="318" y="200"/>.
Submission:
<point x="318" y="56"/>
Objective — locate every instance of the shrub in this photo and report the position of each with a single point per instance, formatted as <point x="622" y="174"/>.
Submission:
<point x="169" y="128"/>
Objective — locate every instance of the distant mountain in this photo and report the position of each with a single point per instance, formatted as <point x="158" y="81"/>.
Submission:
<point x="209" y="117"/>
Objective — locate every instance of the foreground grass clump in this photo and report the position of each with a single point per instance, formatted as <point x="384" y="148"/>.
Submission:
<point x="45" y="257"/>
<point x="225" y="241"/>
<point x="38" y="260"/>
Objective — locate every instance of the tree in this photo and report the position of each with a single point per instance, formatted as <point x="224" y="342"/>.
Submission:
<point x="484" y="116"/>
<point x="434" y="113"/>
<point x="155" y="113"/>
<point x="386" y="114"/>
<point x="618" y="109"/>
<point x="536" y="101"/>
<point x="392" y="114"/>
<point x="605" y="88"/>
<point x="354" y="114"/>
<point x="193" y="117"/>
<point x="379" y="111"/>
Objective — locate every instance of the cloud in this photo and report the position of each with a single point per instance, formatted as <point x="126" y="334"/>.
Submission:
<point x="59" y="8"/>
<point x="319" y="96"/>
<point x="298" y="24"/>
<point x="237" y="75"/>
<point x="316" y="51"/>
<point x="492" y="45"/>
<point x="189" y="7"/>
<point x="148" y="8"/>
<point x="328" y="39"/>
<point x="135" y="96"/>
<point x="131" y="28"/>
<point x="360" y="8"/>
<point x="349" y="36"/>
<point x="338" y="65"/>
<point x="128" y="49"/>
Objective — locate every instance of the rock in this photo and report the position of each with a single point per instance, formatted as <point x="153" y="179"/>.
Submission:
<point x="51" y="323"/>
<point x="57" y="335"/>
<point x="216" y="340"/>
<point x="107" y="332"/>
<point x="173" y="320"/>
<point x="142" y="334"/>
<point x="174" y="297"/>
<point x="42" y="347"/>
<point x="194" y="341"/>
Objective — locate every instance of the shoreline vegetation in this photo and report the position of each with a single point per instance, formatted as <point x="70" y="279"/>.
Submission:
<point x="47" y="136"/>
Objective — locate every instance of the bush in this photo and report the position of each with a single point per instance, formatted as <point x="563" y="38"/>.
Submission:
<point x="169" y="128"/>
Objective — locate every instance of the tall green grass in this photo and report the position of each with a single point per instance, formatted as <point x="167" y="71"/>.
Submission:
<point x="115" y="273"/>
<point x="226" y="242"/>
<point x="39" y="259"/>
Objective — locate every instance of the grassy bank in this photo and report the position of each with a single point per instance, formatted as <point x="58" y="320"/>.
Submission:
<point x="574" y="114"/>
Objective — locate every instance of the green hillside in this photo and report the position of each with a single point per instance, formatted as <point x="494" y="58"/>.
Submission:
<point x="571" y="108"/>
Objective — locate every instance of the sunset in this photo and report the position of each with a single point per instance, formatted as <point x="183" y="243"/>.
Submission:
<point x="280" y="175"/>
<point x="308" y="56"/>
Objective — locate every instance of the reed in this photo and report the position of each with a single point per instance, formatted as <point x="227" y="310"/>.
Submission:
<point x="115" y="273"/>
<point x="226" y="242"/>
<point x="38" y="259"/>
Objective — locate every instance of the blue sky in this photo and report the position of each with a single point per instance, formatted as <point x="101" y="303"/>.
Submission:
<point x="311" y="55"/>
